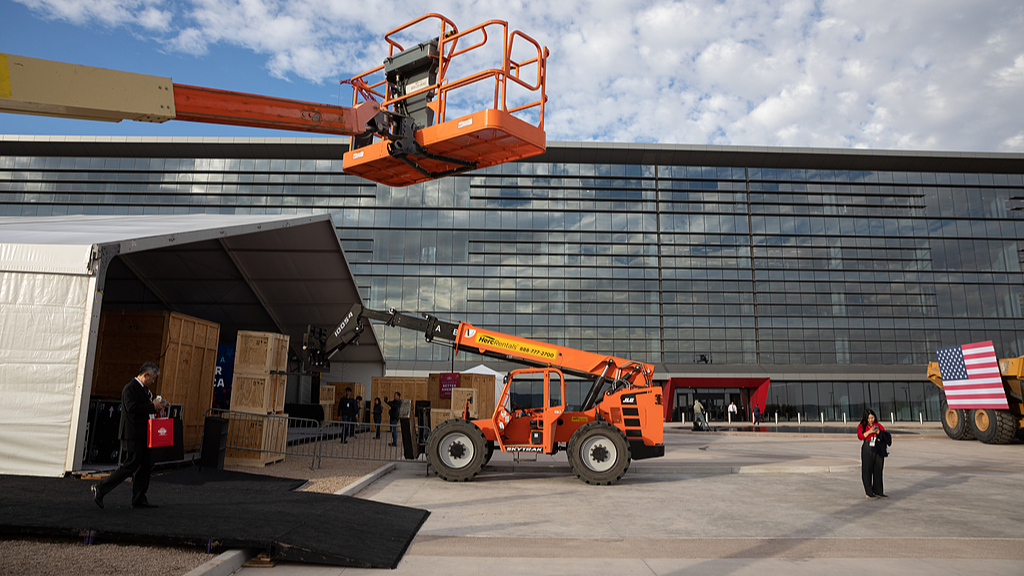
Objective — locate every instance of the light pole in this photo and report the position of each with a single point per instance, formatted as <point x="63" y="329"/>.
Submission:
<point x="910" y="410"/>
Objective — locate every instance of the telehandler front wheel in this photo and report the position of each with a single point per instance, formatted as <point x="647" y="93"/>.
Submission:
<point x="456" y="450"/>
<point x="993" y="426"/>
<point x="598" y="453"/>
<point x="956" y="422"/>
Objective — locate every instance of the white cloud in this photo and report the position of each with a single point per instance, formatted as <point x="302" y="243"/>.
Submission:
<point x="144" y="13"/>
<point x="942" y="74"/>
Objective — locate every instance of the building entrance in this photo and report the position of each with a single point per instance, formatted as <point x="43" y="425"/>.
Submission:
<point x="715" y="394"/>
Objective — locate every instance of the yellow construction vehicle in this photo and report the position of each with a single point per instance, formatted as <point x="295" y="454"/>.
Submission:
<point x="989" y="408"/>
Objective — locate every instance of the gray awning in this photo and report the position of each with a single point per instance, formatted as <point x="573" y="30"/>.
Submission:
<point x="262" y="273"/>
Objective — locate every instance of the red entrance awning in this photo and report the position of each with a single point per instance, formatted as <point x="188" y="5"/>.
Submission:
<point x="758" y="385"/>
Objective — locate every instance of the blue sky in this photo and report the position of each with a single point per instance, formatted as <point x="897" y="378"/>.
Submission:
<point x="913" y="74"/>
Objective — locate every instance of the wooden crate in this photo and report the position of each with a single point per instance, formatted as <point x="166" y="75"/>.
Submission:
<point x="330" y="411"/>
<point x="258" y="433"/>
<point x="484" y="386"/>
<point x="459" y="398"/>
<point x="412" y="389"/>
<point x="438" y="415"/>
<point x="257" y="393"/>
<point x="327" y="394"/>
<point x="185" y="349"/>
<point x="259" y="352"/>
<point x="434" y="392"/>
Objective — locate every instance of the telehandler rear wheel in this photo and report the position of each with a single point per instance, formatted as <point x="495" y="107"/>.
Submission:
<point x="456" y="450"/>
<point x="956" y="423"/>
<point x="598" y="453"/>
<point x="993" y="426"/>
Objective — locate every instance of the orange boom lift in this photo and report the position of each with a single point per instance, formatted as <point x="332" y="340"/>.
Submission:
<point x="620" y="419"/>
<point x="399" y="124"/>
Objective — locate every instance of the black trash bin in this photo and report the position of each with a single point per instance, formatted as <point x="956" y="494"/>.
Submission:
<point x="215" y="443"/>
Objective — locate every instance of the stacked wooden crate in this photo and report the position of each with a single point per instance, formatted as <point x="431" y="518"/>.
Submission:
<point x="185" y="349"/>
<point x="463" y="397"/>
<point x="412" y="389"/>
<point x="483" y="400"/>
<point x="329" y="401"/>
<point x="258" y="387"/>
<point x="484" y="386"/>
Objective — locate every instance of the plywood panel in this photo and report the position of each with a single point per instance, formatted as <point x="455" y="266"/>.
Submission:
<point x="438" y="415"/>
<point x="460" y="396"/>
<point x="484" y="385"/>
<point x="252" y="436"/>
<point x="253" y="393"/>
<point x="261" y="352"/>
<point x="184" y="347"/>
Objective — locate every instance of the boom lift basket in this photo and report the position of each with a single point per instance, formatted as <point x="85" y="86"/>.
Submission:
<point x="412" y="89"/>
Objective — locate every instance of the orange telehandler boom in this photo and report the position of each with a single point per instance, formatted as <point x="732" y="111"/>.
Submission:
<point x="398" y="121"/>
<point x="619" y="420"/>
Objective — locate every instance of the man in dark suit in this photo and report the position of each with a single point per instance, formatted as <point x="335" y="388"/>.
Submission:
<point x="137" y="403"/>
<point x="348" y="409"/>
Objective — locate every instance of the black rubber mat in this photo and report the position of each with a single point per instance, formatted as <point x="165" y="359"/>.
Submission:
<point x="217" y="510"/>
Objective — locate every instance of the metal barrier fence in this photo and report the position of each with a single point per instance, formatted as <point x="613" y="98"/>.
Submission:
<point x="260" y="439"/>
<point x="361" y="441"/>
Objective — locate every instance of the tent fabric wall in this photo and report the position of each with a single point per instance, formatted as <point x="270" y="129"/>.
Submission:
<point x="43" y="318"/>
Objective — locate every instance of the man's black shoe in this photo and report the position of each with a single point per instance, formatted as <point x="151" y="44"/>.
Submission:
<point x="96" y="497"/>
<point x="144" y="505"/>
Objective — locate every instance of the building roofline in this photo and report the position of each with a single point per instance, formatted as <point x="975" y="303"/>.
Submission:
<point x="570" y="152"/>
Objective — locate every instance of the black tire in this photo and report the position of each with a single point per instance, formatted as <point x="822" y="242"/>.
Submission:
<point x="456" y="450"/>
<point x="956" y="423"/>
<point x="488" y="452"/>
<point x="598" y="453"/>
<point x="993" y="426"/>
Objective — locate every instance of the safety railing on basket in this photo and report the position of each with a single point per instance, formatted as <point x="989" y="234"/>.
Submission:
<point x="521" y="62"/>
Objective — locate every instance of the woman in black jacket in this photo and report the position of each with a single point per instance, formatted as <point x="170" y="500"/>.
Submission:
<point x="871" y="460"/>
<point x="378" y="413"/>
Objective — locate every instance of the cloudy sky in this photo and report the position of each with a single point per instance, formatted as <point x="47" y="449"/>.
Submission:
<point x="905" y="74"/>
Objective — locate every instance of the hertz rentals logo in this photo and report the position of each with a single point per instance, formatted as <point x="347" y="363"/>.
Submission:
<point x="521" y="348"/>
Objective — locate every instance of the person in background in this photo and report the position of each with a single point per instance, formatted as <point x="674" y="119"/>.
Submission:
<point x="137" y="404"/>
<point x="393" y="407"/>
<point x="378" y="414"/>
<point x="757" y="415"/>
<point x="359" y="415"/>
<point x="698" y="415"/>
<point x="733" y="411"/>
<point x="347" y="409"/>
<point x="871" y="463"/>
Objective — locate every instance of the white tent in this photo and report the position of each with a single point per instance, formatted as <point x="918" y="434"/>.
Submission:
<point x="499" y="378"/>
<point x="266" y="273"/>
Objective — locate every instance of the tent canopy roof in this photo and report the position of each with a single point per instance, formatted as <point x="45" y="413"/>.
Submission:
<point x="262" y="273"/>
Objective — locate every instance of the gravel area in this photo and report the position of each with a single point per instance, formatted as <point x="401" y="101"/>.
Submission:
<point x="57" y="557"/>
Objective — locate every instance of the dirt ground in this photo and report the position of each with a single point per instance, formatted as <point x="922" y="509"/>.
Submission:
<point x="58" y="557"/>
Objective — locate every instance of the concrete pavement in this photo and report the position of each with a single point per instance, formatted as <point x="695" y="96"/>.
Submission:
<point x="721" y="503"/>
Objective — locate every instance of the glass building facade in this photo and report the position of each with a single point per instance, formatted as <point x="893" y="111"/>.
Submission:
<point x="837" y="273"/>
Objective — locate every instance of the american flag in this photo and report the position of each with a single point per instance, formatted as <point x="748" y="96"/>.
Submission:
<point x="970" y="376"/>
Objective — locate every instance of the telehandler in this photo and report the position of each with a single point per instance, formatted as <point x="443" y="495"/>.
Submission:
<point x="619" y="420"/>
